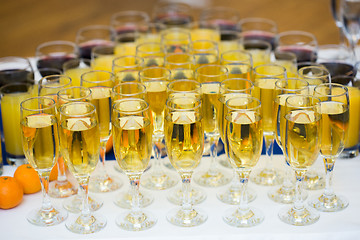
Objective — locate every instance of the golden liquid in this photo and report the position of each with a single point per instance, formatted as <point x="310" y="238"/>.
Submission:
<point x="103" y="63"/>
<point x="101" y="98"/>
<point x="239" y="71"/>
<point x="291" y="68"/>
<point x="353" y="135"/>
<point x="132" y="136"/>
<point x="75" y="75"/>
<point x="125" y="49"/>
<point x="244" y="137"/>
<point x="205" y="34"/>
<point x="264" y="90"/>
<point x="205" y="58"/>
<point x="80" y="144"/>
<point x="184" y="140"/>
<point x="225" y="46"/>
<point x="279" y="119"/>
<point x="303" y="140"/>
<point x="182" y="74"/>
<point x="210" y="104"/>
<point x="40" y="140"/>
<point x="334" y="124"/>
<point x="127" y="76"/>
<point x="10" y="108"/>
<point x="259" y="57"/>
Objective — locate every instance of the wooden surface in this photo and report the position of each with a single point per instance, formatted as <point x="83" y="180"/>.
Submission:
<point x="24" y="24"/>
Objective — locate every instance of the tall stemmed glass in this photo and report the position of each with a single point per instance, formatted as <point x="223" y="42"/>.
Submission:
<point x="184" y="88"/>
<point x="132" y="134"/>
<point x="49" y="86"/>
<point x="155" y="80"/>
<point x="284" y="88"/>
<point x="334" y="109"/>
<point x="80" y="145"/>
<point x="230" y="88"/>
<point x="77" y="94"/>
<point x="184" y="140"/>
<point x="335" y="12"/>
<point x="302" y="146"/>
<point x="100" y="83"/>
<point x="210" y="76"/>
<point x="243" y="143"/>
<point x="265" y="77"/>
<point x="41" y="148"/>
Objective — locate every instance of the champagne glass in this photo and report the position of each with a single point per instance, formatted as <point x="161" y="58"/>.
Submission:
<point x="175" y="40"/>
<point x="265" y="77"/>
<point x="210" y="76"/>
<point x="102" y="57"/>
<point x="49" y="86"/>
<point x="284" y="88"/>
<point x="182" y="65"/>
<point x="202" y="30"/>
<point x="238" y="62"/>
<point x="302" y="146"/>
<point x="230" y="88"/>
<point x="39" y="129"/>
<point x="204" y="52"/>
<point x="184" y="140"/>
<point x="100" y="83"/>
<point x="155" y="80"/>
<point x="243" y="142"/>
<point x="126" y="68"/>
<point x="334" y="109"/>
<point x="152" y="53"/>
<point x="288" y="61"/>
<point x="260" y="51"/>
<point x="132" y="134"/>
<point x="77" y="94"/>
<point x="150" y="32"/>
<point x="80" y="146"/>
<point x="74" y="68"/>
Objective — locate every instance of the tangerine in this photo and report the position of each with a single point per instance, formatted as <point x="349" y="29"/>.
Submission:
<point x="11" y="192"/>
<point x="29" y="179"/>
<point x="109" y="144"/>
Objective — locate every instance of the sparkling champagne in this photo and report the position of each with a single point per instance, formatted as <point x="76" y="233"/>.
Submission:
<point x="210" y="103"/>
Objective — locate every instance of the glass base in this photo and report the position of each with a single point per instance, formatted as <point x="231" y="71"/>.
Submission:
<point x="331" y="203"/>
<point x="216" y="179"/>
<point x="77" y="225"/>
<point x="249" y="218"/>
<point x="130" y="222"/>
<point x="124" y="199"/>
<point x="158" y="182"/>
<point x="193" y="218"/>
<point x="285" y="195"/>
<point x="61" y="189"/>
<point x="232" y="195"/>
<point x="313" y="180"/>
<point x="100" y="184"/>
<point x="267" y="177"/>
<point x="197" y="196"/>
<point x="74" y="204"/>
<point x="47" y="218"/>
<point x="303" y="217"/>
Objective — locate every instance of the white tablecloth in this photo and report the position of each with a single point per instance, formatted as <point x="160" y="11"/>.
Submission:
<point x="338" y="225"/>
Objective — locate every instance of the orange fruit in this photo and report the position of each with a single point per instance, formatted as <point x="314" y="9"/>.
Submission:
<point x="11" y="192"/>
<point x="29" y="179"/>
<point x="109" y="144"/>
<point x="54" y="172"/>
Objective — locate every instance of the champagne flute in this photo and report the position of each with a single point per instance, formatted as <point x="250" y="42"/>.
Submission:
<point x="132" y="135"/>
<point x="284" y="88"/>
<point x="184" y="140"/>
<point x="243" y="142"/>
<point x="238" y="62"/>
<point x="302" y="146"/>
<point x="80" y="146"/>
<point x="175" y="40"/>
<point x="230" y="88"/>
<point x="204" y="52"/>
<point x="152" y="53"/>
<point x="100" y="83"/>
<point x="181" y="65"/>
<point x="77" y="94"/>
<point x="40" y="141"/>
<point x="126" y="68"/>
<point x="334" y="109"/>
<point x="155" y="80"/>
<point x="265" y="77"/>
<point x="210" y="76"/>
<point x="49" y="86"/>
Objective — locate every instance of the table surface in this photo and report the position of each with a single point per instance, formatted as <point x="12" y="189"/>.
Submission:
<point x="338" y="225"/>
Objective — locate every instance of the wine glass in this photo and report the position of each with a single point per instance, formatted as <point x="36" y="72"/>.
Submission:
<point x="39" y="129"/>
<point x="49" y="86"/>
<point x="284" y="88"/>
<point x="100" y="83"/>
<point x="335" y="12"/>
<point x="230" y="88"/>
<point x="225" y="18"/>
<point x="80" y="146"/>
<point x="132" y="136"/>
<point x="265" y="77"/>
<point x="14" y="69"/>
<point x="181" y="65"/>
<point x="155" y="80"/>
<point x="184" y="140"/>
<point x="126" y="68"/>
<point x="243" y="142"/>
<point x="128" y="21"/>
<point x="334" y="110"/>
<point x="302" y="146"/>
<point x="210" y="76"/>
<point x="172" y="14"/>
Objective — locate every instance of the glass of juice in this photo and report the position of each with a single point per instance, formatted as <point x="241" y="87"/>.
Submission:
<point x="102" y="57"/>
<point x="11" y="95"/>
<point x="260" y="51"/>
<point x="74" y="68"/>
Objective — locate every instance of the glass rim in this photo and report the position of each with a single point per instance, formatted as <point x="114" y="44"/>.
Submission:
<point x="77" y="115"/>
<point x="298" y="33"/>
<point x="196" y="83"/>
<point x="234" y="79"/>
<point x="137" y="58"/>
<point x="243" y="96"/>
<point x="54" y="76"/>
<point x="330" y="85"/>
<point x="141" y="74"/>
<point x="110" y="46"/>
<point x="129" y="13"/>
<point x="303" y="96"/>
<point x="258" y="20"/>
<point x="218" y="9"/>
<point x="71" y="88"/>
<point x="58" y="43"/>
<point x="138" y="48"/>
<point x="197" y="103"/>
<point x="111" y="76"/>
<point x="75" y="60"/>
<point x="221" y="67"/>
<point x="7" y="59"/>
<point x="53" y="105"/>
<point x="191" y="57"/>
<point x="124" y="100"/>
<point x="269" y="65"/>
<point x="237" y="51"/>
<point x="256" y="41"/>
<point x="290" y="89"/>
<point x="128" y="83"/>
<point x="326" y="72"/>
<point x="13" y="84"/>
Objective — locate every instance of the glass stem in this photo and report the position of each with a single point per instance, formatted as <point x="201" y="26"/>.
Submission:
<point x="157" y="168"/>
<point x="287" y="176"/>
<point x="85" y="211"/>
<point x="353" y="49"/>
<point x="46" y="203"/>
<point x="213" y="153"/>
<point x="61" y="169"/>
<point x="298" y="203"/>
<point x="103" y="173"/>
<point x="135" y="196"/>
<point x="186" y="205"/>
<point x="329" y="166"/>
<point x="269" y="145"/>
<point x="244" y="179"/>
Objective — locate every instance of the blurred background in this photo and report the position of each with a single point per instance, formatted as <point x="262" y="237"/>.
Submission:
<point x="25" y="24"/>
